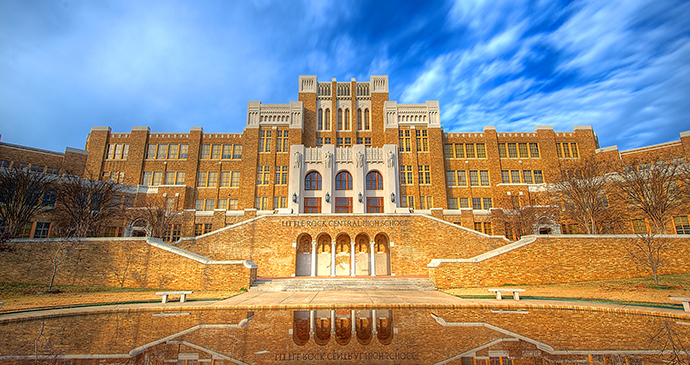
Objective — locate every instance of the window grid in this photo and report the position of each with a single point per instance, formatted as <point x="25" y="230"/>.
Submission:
<point x="424" y="173"/>
<point x="422" y="140"/>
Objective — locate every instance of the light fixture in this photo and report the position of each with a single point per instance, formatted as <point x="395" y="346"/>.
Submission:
<point x="393" y="197"/>
<point x="328" y="197"/>
<point x="359" y="197"/>
<point x="294" y="198"/>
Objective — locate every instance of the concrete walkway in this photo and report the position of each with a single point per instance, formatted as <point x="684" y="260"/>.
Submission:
<point x="364" y="299"/>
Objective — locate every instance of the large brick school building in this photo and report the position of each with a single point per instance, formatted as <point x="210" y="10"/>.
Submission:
<point x="342" y="153"/>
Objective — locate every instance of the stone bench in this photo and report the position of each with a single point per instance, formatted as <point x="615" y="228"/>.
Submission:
<point x="182" y="294"/>
<point x="516" y="293"/>
<point x="686" y="305"/>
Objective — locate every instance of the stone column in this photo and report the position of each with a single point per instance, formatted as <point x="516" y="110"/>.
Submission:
<point x="353" y="320"/>
<point x="373" y="322"/>
<point x="332" y="257"/>
<point x="373" y="258"/>
<point x="313" y="258"/>
<point x="332" y="321"/>
<point x="312" y="315"/>
<point x="352" y="259"/>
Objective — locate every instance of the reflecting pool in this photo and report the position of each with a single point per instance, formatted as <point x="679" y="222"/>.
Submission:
<point x="472" y="336"/>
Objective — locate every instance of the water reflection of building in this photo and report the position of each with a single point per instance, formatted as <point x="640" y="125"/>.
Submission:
<point x="342" y="325"/>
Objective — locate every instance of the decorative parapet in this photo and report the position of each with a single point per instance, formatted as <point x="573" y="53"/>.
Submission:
<point x="275" y="114"/>
<point x="423" y="115"/>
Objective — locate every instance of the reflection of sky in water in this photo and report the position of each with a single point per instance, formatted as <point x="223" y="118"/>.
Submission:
<point x="462" y="336"/>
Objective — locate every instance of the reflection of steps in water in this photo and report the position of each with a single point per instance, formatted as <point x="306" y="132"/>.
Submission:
<point x="317" y="284"/>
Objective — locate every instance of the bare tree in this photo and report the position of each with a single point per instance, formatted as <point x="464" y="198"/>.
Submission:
<point x="583" y="192"/>
<point x="667" y="339"/>
<point x="156" y="216"/>
<point x="521" y="221"/>
<point x="85" y="205"/>
<point x="653" y="193"/>
<point x="24" y="194"/>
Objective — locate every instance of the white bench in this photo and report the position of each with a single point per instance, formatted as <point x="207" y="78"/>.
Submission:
<point x="182" y="294"/>
<point x="686" y="305"/>
<point x="516" y="293"/>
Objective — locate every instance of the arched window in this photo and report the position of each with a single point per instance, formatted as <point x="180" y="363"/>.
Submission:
<point x="347" y="119"/>
<point x="374" y="181"/>
<point x="319" y="125"/>
<point x="312" y="181"/>
<point x="343" y="181"/>
<point x="340" y="119"/>
<point x="366" y="120"/>
<point x="359" y="119"/>
<point x="327" y="120"/>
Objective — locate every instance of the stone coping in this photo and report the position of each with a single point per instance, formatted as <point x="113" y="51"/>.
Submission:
<point x="338" y="300"/>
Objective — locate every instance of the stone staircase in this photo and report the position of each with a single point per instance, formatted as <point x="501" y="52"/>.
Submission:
<point x="359" y="283"/>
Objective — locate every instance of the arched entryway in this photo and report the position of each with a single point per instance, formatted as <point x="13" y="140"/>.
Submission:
<point x="301" y="327"/>
<point x="343" y="326"/>
<point x="303" y="256"/>
<point x="362" y="254"/>
<point x="382" y="254"/>
<point x="342" y="255"/>
<point x="323" y="255"/>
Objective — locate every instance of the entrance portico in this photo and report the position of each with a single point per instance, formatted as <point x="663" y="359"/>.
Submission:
<point x="342" y="256"/>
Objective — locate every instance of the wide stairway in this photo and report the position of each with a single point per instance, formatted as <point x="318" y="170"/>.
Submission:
<point x="318" y="284"/>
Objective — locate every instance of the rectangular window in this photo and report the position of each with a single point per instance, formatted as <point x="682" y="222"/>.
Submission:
<point x="223" y="204"/>
<point x="151" y="153"/>
<point x="424" y="174"/>
<point x="462" y="178"/>
<point x="233" y="204"/>
<point x="184" y="148"/>
<point x="459" y="150"/>
<point x="452" y="203"/>
<point x="367" y="141"/>
<point x="157" y="178"/>
<point x="478" y="226"/>
<point x="488" y="230"/>
<point x="639" y="226"/>
<point x="426" y="202"/>
<point x="312" y="205"/>
<point x="477" y="203"/>
<point x="282" y="142"/>
<point x="474" y="178"/>
<point x="202" y="180"/>
<point x="212" y="179"/>
<point x="225" y="179"/>
<point x="404" y="140"/>
<point x="265" y="141"/>
<point x="481" y="150"/>
<point x="464" y="202"/>
<point x="487" y="203"/>
<point x="505" y="176"/>
<point x="682" y="225"/>
<point x="484" y="177"/>
<point x="125" y="151"/>
<point x="422" y="140"/>
<point x="210" y="204"/>
<point x="215" y="151"/>
<point x="339" y="141"/>
<point x="162" y="151"/>
<point x="502" y="150"/>
<point x="348" y="142"/>
<point x="170" y="178"/>
<point x="407" y="202"/>
<point x="279" y="202"/>
<point x="574" y="151"/>
<point x="227" y="151"/>
<point x="49" y="197"/>
<point x="111" y="152"/>
<point x="42" y="229"/>
<point x="559" y="152"/>
<point x="180" y="178"/>
<point x="538" y="177"/>
<point x="327" y="140"/>
<point x="527" y="176"/>
<point x="198" y="229"/>
<point x="566" y="150"/>
<point x="237" y="151"/>
<point x="343" y="205"/>
<point x="374" y="205"/>
<point x="450" y="178"/>
<point x="522" y="147"/>
<point x="469" y="150"/>
<point x="512" y="150"/>
<point x="235" y="179"/>
<point x="515" y="176"/>
<point x="173" y="151"/>
<point x="205" y="151"/>
<point x="406" y="175"/>
<point x="262" y="175"/>
<point x="534" y="150"/>
<point x="360" y="140"/>
<point x="319" y="141"/>
<point x="448" y="150"/>
<point x="118" y="151"/>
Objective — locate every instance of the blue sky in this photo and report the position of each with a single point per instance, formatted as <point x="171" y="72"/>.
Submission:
<point x="66" y="66"/>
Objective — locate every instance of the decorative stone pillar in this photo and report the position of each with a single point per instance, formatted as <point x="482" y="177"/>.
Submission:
<point x="352" y="259"/>
<point x="353" y="319"/>
<point x="333" y="257"/>
<point x="333" y="322"/>
<point x="312" y="324"/>
<point x="373" y="258"/>
<point x="373" y="322"/>
<point x="313" y="258"/>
